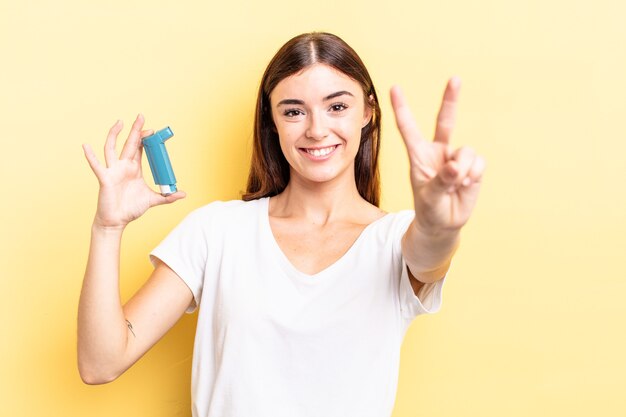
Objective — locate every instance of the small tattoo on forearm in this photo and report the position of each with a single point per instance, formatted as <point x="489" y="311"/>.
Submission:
<point x="130" y="327"/>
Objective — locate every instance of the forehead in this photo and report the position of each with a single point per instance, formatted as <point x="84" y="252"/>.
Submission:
<point x="315" y="82"/>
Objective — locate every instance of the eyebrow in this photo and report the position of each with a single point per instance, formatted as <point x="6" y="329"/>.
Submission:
<point x="301" y="102"/>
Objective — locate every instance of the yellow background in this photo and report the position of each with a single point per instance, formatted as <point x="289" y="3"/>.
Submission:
<point x="533" y="321"/>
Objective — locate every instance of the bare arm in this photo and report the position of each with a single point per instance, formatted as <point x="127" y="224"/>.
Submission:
<point x="428" y="257"/>
<point x="107" y="346"/>
<point x="445" y="186"/>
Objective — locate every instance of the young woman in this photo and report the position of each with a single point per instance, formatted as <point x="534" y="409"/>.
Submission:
<point x="305" y="287"/>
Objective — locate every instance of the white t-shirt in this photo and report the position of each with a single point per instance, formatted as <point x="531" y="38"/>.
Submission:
<point x="272" y="341"/>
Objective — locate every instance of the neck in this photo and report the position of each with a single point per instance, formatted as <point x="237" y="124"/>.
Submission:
<point x="319" y="203"/>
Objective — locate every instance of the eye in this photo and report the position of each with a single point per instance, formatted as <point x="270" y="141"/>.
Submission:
<point x="292" y="113"/>
<point x="338" y="107"/>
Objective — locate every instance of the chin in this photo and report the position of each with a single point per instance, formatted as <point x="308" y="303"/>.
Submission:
<point x="320" y="176"/>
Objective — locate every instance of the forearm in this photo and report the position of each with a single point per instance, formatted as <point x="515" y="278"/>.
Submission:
<point x="102" y="329"/>
<point x="428" y="255"/>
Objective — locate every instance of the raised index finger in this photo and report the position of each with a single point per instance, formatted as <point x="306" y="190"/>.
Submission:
<point x="447" y="112"/>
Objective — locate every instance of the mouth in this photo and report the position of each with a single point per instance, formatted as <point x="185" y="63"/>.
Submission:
<point x="319" y="152"/>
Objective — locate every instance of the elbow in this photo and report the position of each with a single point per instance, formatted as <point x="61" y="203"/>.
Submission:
<point x="94" y="379"/>
<point x="92" y="376"/>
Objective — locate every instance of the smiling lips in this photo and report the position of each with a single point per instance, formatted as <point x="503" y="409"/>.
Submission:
<point x="319" y="152"/>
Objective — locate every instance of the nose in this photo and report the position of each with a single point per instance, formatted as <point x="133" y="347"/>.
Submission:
<point x="317" y="128"/>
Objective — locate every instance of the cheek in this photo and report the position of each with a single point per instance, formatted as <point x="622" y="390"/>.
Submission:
<point x="285" y="135"/>
<point x="287" y="138"/>
<point x="352" y="128"/>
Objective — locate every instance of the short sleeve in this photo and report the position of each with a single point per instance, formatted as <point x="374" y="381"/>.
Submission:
<point x="185" y="251"/>
<point x="428" y="300"/>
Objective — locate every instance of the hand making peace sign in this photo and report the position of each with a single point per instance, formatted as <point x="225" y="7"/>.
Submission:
<point x="445" y="182"/>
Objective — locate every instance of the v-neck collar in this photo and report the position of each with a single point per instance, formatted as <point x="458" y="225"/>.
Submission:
<point x="283" y="260"/>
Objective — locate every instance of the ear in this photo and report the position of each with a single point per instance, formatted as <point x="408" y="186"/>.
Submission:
<point x="367" y="112"/>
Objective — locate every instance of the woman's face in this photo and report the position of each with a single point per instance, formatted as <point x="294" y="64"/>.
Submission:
<point x="319" y="113"/>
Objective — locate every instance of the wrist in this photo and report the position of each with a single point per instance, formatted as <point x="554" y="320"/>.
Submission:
<point x="99" y="228"/>
<point x="434" y="232"/>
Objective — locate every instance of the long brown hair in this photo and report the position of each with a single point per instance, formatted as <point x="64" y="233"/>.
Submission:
<point x="269" y="170"/>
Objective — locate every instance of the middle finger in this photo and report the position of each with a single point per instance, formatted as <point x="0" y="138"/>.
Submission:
<point x="134" y="138"/>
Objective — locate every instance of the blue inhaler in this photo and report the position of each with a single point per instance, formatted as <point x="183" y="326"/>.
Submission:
<point x="159" y="160"/>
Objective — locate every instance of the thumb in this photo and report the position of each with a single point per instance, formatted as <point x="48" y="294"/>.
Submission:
<point x="157" y="199"/>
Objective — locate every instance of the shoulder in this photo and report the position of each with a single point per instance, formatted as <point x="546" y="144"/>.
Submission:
<point x="402" y="218"/>
<point x="226" y="208"/>
<point x="224" y="213"/>
<point x="397" y="219"/>
<point x="392" y="226"/>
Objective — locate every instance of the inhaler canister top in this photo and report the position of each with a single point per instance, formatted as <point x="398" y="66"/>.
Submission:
<point x="159" y="160"/>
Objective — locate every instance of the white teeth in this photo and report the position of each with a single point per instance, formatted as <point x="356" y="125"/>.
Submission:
<point x="321" y="152"/>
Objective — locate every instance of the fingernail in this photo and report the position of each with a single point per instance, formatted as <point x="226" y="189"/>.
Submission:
<point x="466" y="181"/>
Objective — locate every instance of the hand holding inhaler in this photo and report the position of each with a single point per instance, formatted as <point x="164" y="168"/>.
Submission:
<point x="124" y="194"/>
